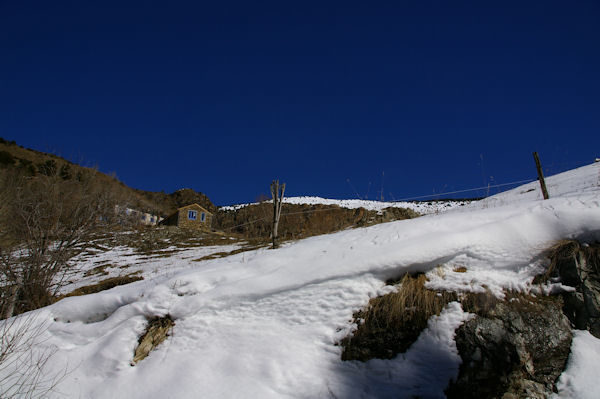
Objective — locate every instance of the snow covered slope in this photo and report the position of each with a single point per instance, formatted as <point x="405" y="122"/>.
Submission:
<point x="264" y="324"/>
<point x="422" y="207"/>
<point x="572" y="183"/>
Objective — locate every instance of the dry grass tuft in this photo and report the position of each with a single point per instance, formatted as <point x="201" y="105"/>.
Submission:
<point x="566" y="251"/>
<point x="481" y="304"/>
<point x="460" y="269"/>
<point x="100" y="270"/>
<point x="558" y="253"/>
<point x="246" y="248"/>
<point x="104" y="285"/>
<point x="391" y="323"/>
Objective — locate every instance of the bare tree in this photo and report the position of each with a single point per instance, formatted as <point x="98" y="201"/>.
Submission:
<point x="45" y="221"/>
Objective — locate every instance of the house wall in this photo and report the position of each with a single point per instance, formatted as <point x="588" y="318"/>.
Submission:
<point x="183" y="221"/>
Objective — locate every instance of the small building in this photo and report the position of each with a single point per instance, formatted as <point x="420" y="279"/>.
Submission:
<point x="191" y="216"/>
<point x="135" y="216"/>
<point x="149" y="219"/>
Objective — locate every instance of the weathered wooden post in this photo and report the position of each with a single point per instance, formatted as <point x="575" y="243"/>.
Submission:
<point x="540" y="175"/>
<point x="277" y="192"/>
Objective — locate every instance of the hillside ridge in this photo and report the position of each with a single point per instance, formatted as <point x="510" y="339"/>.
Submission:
<point x="32" y="162"/>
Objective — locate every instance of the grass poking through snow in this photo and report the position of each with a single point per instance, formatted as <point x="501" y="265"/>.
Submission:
<point x="391" y="323"/>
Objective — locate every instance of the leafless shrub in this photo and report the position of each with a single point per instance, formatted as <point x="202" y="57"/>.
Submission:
<point x="46" y="220"/>
<point x="22" y="359"/>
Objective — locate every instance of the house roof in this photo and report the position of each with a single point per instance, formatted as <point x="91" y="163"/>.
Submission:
<point x="188" y="206"/>
<point x="194" y="205"/>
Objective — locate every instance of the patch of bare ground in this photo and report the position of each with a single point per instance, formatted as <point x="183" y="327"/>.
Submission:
<point x="164" y="241"/>
<point x="98" y="270"/>
<point x="104" y="285"/>
<point x="224" y="254"/>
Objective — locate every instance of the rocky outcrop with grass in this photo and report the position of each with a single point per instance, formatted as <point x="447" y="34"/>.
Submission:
<point x="512" y="347"/>
<point x="300" y="221"/>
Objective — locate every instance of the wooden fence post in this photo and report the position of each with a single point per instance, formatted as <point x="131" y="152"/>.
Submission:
<point x="540" y="175"/>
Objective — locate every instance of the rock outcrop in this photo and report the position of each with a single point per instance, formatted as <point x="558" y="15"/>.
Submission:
<point x="517" y="348"/>
<point x="578" y="266"/>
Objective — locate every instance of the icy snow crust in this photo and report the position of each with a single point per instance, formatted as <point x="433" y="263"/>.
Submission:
<point x="264" y="324"/>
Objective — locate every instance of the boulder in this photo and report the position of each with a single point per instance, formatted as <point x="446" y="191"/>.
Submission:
<point x="516" y="349"/>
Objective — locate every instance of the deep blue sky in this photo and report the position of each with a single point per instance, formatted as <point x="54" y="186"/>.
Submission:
<point x="225" y="96"/>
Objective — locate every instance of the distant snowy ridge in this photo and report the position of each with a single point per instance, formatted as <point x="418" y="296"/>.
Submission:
<point x="425" y="207"/>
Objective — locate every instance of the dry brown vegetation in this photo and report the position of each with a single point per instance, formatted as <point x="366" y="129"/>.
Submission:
<point x="98" y="270"/>
<point x="245" y="248"/>
<point x="32" y="163"/>
<point x="569" y="249"/>
<point x="46" y="220"/>
<point x="392" y="322"/>
<point x="103" y="285"/>
<point x="165" y="240"/>
<point x="300" y="221"/>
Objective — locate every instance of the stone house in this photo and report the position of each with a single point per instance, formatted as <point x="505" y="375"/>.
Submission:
<point x="191" y="216"/>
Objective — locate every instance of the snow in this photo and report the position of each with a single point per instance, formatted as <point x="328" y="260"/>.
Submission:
<point x="265" y="323"/>
<point x="580" y="380"/>
<point x="121" y="260"/>
<point x="422" y="207"/>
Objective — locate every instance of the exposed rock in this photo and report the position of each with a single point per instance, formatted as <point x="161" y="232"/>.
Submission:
<point x="515" y="349"/>
<point x="578" y="266"/>
<point x="156" y="332"/>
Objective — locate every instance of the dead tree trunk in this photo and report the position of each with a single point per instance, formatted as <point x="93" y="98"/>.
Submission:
<point x="277" y="192"/>
<point x="11" y="301"/>
<point x="538" y="165"/>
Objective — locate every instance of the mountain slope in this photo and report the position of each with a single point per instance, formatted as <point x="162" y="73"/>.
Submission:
<point x="266" y="323"/>
<point x="13" y="156"/>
